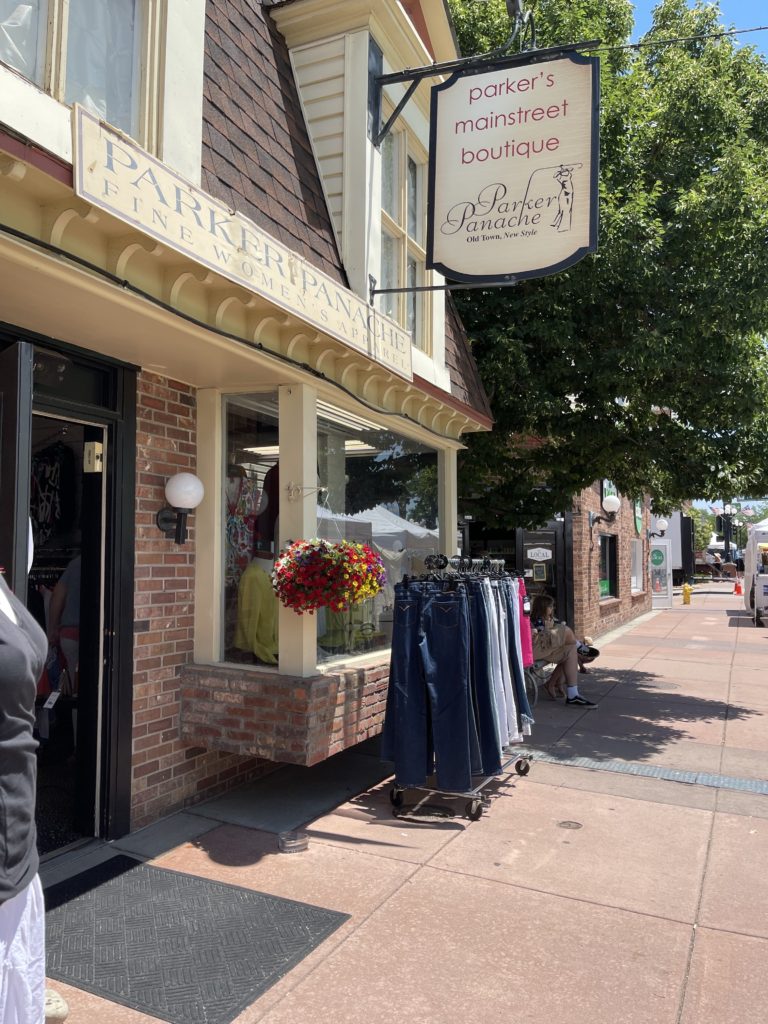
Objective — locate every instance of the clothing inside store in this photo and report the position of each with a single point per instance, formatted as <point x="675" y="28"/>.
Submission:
<point x="65" y="756"/>
<point x="374" y="486"/>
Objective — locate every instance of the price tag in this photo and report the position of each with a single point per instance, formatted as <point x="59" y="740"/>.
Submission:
<point x="52" y="698"/>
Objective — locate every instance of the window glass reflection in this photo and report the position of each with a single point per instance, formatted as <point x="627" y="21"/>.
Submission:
<point x="102" y="60"/>
<point x="23" y="28"/>
<point x="381" y="491"/>
<point x="251" y="492"/>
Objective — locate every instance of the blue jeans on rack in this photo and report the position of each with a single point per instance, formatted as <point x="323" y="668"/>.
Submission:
<point x="482" y="679"/>
<point x="429" y="704"/>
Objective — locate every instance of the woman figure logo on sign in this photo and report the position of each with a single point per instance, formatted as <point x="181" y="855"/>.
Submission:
<point x="564" y="218"/>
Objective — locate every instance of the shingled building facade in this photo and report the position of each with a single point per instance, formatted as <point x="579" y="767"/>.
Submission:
<point x="190" y="231"/>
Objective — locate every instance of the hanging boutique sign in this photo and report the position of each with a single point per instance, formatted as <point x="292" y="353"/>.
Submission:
<point x="513" y="168"/>
<point x="114" y="174"/>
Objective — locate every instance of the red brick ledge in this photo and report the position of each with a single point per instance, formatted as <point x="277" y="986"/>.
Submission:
<point x="281" y="718"/>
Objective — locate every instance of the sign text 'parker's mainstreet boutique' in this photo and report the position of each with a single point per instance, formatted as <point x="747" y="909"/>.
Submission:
<point x="513" y="170"/>
<point x="116" y="175"/>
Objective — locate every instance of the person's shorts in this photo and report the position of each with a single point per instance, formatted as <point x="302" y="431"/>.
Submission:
<point x="550" y="645"/>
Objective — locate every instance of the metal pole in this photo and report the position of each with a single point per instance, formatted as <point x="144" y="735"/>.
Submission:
<point x="727" y="532"/>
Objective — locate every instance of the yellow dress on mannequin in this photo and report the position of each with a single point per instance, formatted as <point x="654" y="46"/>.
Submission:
<point x="257" y="608"/>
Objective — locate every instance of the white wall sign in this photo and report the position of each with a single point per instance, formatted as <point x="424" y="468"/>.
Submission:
<point x="513" y="170"/>
<point x="538" y="554"/>
<point x="114" y="174"/>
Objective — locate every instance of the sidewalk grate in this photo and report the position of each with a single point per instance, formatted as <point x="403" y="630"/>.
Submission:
<point x="649" y="771"/>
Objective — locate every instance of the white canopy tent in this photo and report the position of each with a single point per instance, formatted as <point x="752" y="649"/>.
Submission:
<point x="378" y="524"/>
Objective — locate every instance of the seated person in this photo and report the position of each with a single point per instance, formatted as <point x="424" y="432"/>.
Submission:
<point x="556" y="642"/>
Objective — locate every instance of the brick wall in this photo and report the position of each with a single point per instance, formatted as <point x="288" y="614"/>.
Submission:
<point x="301" y="721"/>
<point x="167" y="772"/>
<point x="594" y="616"/>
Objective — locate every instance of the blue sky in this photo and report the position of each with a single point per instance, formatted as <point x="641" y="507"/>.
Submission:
<point x="736" y="14"/>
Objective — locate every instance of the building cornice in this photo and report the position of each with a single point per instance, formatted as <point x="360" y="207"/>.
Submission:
<point x="39" y="206"/>
<point x="304" y="22"/>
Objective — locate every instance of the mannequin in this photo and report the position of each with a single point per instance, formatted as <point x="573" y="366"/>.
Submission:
<point x="268" y="511"/>
<point x="243" y="500"/>
<point x="257" y="610"/>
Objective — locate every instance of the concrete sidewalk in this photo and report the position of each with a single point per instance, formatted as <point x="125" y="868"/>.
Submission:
<point x="598" y="890"/>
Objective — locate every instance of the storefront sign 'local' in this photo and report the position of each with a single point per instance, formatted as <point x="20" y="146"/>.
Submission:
<point x="513" y="169"/>
<point x="539" y="554"/>
<point x="114" y="174"/>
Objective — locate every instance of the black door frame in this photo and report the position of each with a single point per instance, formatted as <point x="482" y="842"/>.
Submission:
<point x="15" y="459"/>
<point x="119" y="417"/>
<point x="562" y="530"/>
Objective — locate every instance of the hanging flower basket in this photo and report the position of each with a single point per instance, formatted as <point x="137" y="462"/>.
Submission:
<point x="312" y="574"/>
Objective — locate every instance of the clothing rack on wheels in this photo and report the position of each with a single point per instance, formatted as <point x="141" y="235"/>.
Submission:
<point x="457" y="701"/>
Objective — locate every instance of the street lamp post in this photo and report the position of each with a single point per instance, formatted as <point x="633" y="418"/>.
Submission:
<point x="728" y="513"/>
<point x="737" y="525"/>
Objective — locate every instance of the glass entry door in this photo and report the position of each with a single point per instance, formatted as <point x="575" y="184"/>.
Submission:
<point x="65" y="594"/>
<point x="660" y="571"/>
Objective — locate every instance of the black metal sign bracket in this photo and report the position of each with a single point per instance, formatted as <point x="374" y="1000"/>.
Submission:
<point x="373" y="291"/>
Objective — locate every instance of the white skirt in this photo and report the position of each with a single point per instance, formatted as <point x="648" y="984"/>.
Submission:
<point x="22" y="957"/>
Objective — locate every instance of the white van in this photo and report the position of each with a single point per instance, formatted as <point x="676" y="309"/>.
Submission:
<point x="756" y="574"/>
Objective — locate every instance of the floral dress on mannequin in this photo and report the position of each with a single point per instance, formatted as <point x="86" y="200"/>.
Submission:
<point x="243" y="498"/>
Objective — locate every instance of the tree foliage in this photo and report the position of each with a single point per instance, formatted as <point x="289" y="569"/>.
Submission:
<point x="703" y="527"/>
<point x="645" y="363"/>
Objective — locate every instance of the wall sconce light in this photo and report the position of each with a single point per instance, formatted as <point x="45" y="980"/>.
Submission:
<point x="662" y="525"/>
<point x="296" y="491"/>
<point x="611" y="505"/>
<point x="183" y="492"/>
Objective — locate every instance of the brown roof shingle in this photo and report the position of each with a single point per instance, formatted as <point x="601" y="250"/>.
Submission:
<point x="258" y="159"/>
<point x="257" y="156"/>
<point x="465" y="377"/>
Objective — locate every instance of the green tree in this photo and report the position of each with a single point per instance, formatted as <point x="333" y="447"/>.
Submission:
<point x="703" y="527"/>
<point x="644" y="363"/>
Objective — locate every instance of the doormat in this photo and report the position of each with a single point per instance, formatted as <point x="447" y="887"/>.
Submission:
<point x="175" y="946"/>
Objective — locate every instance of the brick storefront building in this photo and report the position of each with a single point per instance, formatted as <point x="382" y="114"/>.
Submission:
<point x="188" y="229"/>
<point x="595" y="565"/>
<point x="610" y="564"/>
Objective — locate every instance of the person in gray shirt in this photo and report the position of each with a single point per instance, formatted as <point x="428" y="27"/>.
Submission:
<point x="23" y="648"/>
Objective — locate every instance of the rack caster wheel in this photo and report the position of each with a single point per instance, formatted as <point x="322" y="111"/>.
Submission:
<point x="474" y="810"/>
<point x="396" y="797"/>
<point x="523" y="767"/>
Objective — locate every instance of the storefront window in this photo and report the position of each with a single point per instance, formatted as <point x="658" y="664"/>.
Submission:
<point x="101" y="62"/>
<point x="608" y="573"/>
<point x="382" y="491"/>
<point x="637" y="565"/>
<point x="403" y="258"/>
<point x="103" y="59"/>
<point x="23" y="31"/>
<point x="251" y="504"/>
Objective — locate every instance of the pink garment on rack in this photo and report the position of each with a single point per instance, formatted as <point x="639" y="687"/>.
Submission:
<point x="526" y="639"/>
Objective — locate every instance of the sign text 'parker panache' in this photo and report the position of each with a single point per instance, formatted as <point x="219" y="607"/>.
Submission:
<point x="114" y="174"/>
